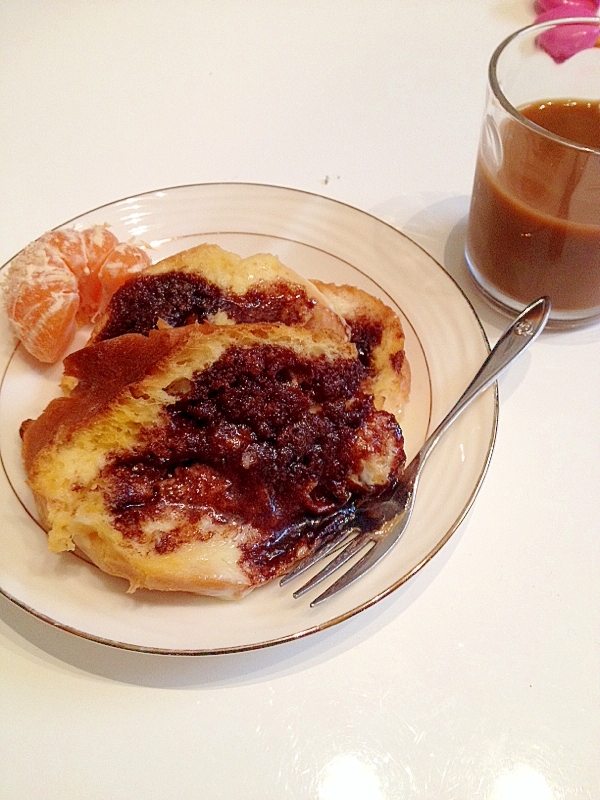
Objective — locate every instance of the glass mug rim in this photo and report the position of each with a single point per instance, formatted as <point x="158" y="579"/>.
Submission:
<point x="494" y="84"/>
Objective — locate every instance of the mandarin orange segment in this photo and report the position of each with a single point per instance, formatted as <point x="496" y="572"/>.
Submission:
<point x="98" y="243"/>
<point x="125" y="260"/>
<point x="90" y="294"/>
<point x="51" y="330"/>
<point x="61" y="281"/>
<point x="68" y="245"/>
<point x="42" y="298"/>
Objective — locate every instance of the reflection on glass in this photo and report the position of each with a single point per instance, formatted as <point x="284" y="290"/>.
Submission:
<point x="347" y="777"/>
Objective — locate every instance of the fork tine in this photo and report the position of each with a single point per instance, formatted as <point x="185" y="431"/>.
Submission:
<point x="351" y="549"/>
<point x="324" y="550"/>
<point x="335" y="534"/>
<point x="356" y="571"/>
<point x="368" y="560"/>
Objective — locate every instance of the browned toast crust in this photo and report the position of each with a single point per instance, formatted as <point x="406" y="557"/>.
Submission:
<point x="179" y="457"/>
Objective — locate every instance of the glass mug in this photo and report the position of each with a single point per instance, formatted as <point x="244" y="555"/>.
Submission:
<point x="534" y="221"/>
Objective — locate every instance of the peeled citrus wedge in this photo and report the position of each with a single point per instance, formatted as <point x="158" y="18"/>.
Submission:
<point x="61" y="281"/>
<point x="42" y="299"/>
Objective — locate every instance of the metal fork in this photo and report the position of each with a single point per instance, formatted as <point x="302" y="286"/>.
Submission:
<point x="379" y="522"/>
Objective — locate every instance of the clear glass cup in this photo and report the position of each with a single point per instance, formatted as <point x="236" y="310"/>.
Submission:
<point x="534" y="221"/>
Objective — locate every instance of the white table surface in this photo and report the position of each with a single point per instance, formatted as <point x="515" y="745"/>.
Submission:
<point x="480" y="677"/>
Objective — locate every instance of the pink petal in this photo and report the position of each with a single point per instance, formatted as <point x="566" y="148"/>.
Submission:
<point x="562" y="43"/>
<point x="572" y="8"/>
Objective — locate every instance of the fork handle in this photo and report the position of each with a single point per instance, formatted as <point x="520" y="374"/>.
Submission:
<point x="515" y="339"/>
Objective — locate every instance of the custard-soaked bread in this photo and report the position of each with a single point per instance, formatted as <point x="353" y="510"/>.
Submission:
<point x="208" y="284"/>
<point x="379" y="338"/>
<point x="180" y="457"/>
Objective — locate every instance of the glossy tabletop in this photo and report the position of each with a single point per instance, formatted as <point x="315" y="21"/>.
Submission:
<point x="478" y="678"/>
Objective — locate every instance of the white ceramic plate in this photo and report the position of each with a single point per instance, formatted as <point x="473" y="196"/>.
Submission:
<point x="319" y="238"/>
